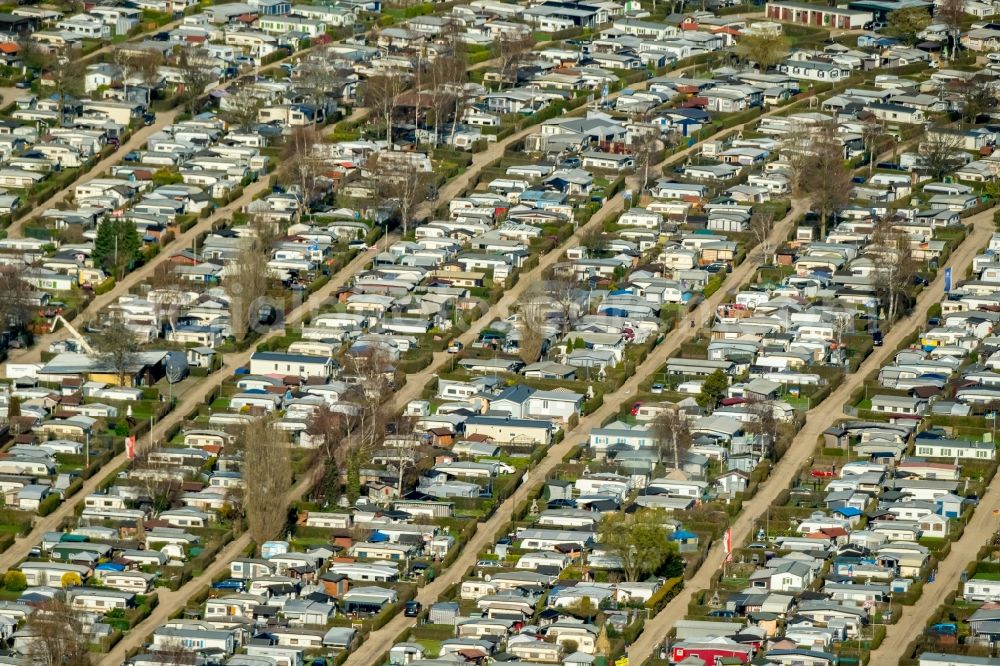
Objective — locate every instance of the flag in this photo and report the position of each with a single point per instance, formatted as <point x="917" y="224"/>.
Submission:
<point x="130" y="447"/>
<point x="729" y="543"/>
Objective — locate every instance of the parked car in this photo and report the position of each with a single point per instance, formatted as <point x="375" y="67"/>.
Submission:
<point x="454" y="347"/>
<point x="412" y="609"/>
<point x="228" y="584"/>
<point x="722" y="613"/>
<point x="657" y="388"/>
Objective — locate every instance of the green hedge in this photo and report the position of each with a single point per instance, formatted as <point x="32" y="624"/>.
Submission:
<point x="105" y="286"/>
<point x="48" y="505"/>
<point x="667" y="591"/>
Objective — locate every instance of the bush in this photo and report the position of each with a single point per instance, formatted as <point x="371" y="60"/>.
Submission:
<point x="662" y="596"/>
<point x="14" y="581"/>
<point x="105" y="286"/>
<point x="48" y="505"/>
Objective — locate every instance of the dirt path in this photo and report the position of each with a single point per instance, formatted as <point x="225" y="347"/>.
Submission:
<point x="979" y="530"/>
<point x="380" y="641"/>
<point x="135" y="142"/>
<point x="190" y="400"/>
<point x="818" y="419"/>
<point x="414" y="385"/>
<point x="171" y="602"/>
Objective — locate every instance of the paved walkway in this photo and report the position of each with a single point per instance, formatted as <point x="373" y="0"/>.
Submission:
<point x="818" y="419"/>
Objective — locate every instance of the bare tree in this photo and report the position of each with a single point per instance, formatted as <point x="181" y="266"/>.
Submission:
<point x="267" y="478"/>
<point x="327" y="429"/>
<point x="372" y="372"/>
<point x="58" y="635"/>
<point x="244" y="105"/>
<point x="446" y="75"/>
<point x="380" y="93"/>
<point x="672" y="435"/>
<point x="951" y="13"/>
<point x="564" y="293"/>
<point x="979" y="97"/>
<point x="160" y="483"/>
<point x="765" y="49"/>
<point x="531" y="325"/>
<point x="940" y="153"/>
<point x="144" y="65"/>
<point x="762" y="423"/>
<point x="247" y="280"/>
<point x="168" y="294"/>
<point x="872" y="134"/>
<point x="65" y="72"/>
<point x="194" y="65"/>
<point x="30" y="52"/>
<point x="147" y="68"/>
<point x="646" y="146"/>
<point x="822" y="176"/>
<point x="401" y="181"/>
<point x="512" y="49"/>
<point x="174" y="653"/>
<point x="266" y="230"/>
<point x="117" y="346"/>
<point x="318" y="80"/>
<point x="593" y="240"/>
<point x="300" y="166"/>
<point x="761" y="224"/>
<point x="15" y="308"/>
<point x="894" y="266"/>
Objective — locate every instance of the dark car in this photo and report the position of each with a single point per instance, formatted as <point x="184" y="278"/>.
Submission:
<point x="268" y="130"/>
<point x="877" y="338"/>
<point x="412" y="609"/>
<point x="132" y="156"/>
<point x="267" y="315"/>
<point x="228" y="584"/>
<point x="148" y="119"/>
<point x="722" y="613"/>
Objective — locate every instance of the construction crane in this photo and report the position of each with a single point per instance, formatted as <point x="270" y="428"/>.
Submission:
<point x="76" y="334"/>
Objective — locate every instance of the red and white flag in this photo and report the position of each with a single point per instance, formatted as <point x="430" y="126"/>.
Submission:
<point x="729" y="543"/>
<point x="130" y="447"/>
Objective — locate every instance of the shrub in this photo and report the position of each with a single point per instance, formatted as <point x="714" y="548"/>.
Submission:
<point x="14" y="581"/>
<point x="105" y="286"/>
<point x="48" y="505"/>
